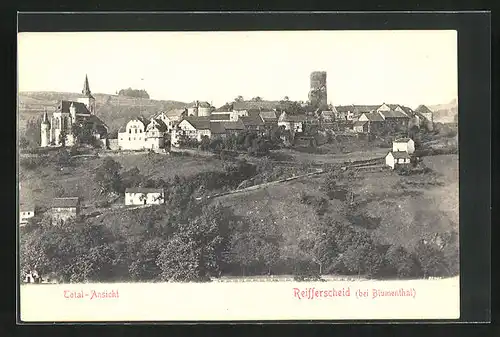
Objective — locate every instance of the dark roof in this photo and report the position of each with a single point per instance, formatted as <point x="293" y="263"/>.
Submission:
<point x="402" y="140"/>
<point x="175" y="112"/>
<point x="268" y="116"/>
<point x="238" y="125"/>
<point x="217" y="127"/>
<point x="251" y="120"/>
<point x="393" y="114"/>
<point x="406" y="109"/>
<point x="200" y="104"/>
<point x="423" y="109"/>
<point x="400" y="154"/>
<point x="344" y="108"/>
<point x="220" y="117"/>
<point x="160" y="125"/>
<point x="359" y="123"/>
<point x="65" y="202"/>
<point x="374" y="117"/>
<point x="25" y="207"/>
<point x="79" y="107"/>
<point x="291" y="118"/>
<point x="199" y="122"/>
<point x="143" y="190"/>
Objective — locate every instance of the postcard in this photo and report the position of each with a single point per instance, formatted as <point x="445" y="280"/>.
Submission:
<point x="238" y="176"/>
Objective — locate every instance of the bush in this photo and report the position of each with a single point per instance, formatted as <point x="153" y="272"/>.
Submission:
<point x="432" y="260"/>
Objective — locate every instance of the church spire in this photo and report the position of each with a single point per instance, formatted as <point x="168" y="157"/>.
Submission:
<point x="45" y="118"/>
<point x="86" y="87"/>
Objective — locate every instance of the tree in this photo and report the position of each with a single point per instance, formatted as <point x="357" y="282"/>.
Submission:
<point x="286" y="99"/>
<point x="195" y="251"/>
<point x="432" y="260"/>
<point x="33" y="132"/>
<point x="400" y="262"/>
<point x="257" y="99"/>
<point x="239" y="99"/>
<point x="107" y="176"/>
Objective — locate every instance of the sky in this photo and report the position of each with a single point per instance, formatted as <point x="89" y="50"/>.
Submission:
<point x="363" y="67"/>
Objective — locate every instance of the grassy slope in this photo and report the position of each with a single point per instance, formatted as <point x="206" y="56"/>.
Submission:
<point x="114" y="110"/>
<point x="43" y="184"/>
<point x="405" y="215"/>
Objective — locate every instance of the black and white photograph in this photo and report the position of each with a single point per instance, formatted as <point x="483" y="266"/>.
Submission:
<point x="246" y="166"/>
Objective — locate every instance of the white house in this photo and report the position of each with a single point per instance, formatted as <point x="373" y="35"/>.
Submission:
<point x="140" y="134"/>
<point x="134" y="135"/>
<point x="192" y="127"/>
<point x="171" y="118"/>
<point x="144" y="196"/>
<point x="155" y="134"/>
<point x="403" y="144"/>
<point x="26" y="212"/>
<point x="395" y="159"/>
<point x="291" y="122"/>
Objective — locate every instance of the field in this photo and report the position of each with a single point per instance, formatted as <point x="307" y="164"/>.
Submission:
<point x="114" y="110"/>
<point x="44" y="183"/>
<point x="395" y="209"/>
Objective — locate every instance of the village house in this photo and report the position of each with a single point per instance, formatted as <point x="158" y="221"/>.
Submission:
<point x="360" y="126"/>
<point x="395" y="116"/>
<point x="133" y="137"/>
<point x="370" y="122"/>
<point x="155" y="134"/>
<point x="171" y="118"/>
<point x="233" y="128"/>
<point x="293" y="123"/>
<point x="270" y="118"/>
<point x="397" y="159"/>
<point x="26" y="212"/>
<point x="140" y="134"/>
<point x="32" y="277"/>
<point x="425" y="112"/>
<point x="144" y="196"/>
<point x="200" y="109"/>
<point x="69" y="114"/>
<point x="193" y="128"/>
<point x="65" y="208"/>
<point x="253" y="123"/>
<point x="221" y="117"/>
<point x="403" y="144"/>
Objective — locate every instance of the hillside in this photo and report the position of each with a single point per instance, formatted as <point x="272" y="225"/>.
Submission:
<point x="445" y="113"/>
<point x="114" y="110"/>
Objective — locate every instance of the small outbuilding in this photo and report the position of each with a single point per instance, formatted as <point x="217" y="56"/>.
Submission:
<point x="403" y="144"/>
<point x="395" y="159"/>
<point x="144" y="196"/>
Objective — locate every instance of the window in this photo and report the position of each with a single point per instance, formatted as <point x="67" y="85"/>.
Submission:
<point x="135" y="130"/>
<point x="140" y="131"/>
<point x="129" y="138"/>
<point x="129" y="131"/>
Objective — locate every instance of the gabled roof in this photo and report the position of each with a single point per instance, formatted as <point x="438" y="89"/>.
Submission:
<point x="143" y="190"/>
<point x="217" y="127"/>
<point x="374" y="117"/>
<point x="400" y="155"/>
<point x="423" y="109"/>
<point x="365" y="108"/>
<point x="392" y="114"/>
<point x="25" y="207"/>
<point x="291" y="118"/>
<point x="406" y="109"/>
<point x="176" y="113"/>
<point x="237" y="125"/>
<point x="220" y="117"/>
<point x="402" y="140"/>
<point x="159" y="124"/>
<point x="251" y="120"/>
<point x="359" y="123"/>
<point x="327" y="114"/>
<point x="344" y="108"/>
<point x="199" y="122"/>
<point x="268" y="116"/>
<point x="69" y="202"/>
<point x="80" y="108"/>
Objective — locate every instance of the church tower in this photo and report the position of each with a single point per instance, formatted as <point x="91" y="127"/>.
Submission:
<point x="87" y="97"/>
<point x="45" y="131"/>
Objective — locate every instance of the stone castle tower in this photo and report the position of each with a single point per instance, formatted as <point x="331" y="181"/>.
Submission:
<point x="317" y="92"/>
<point x="45" y="131"/>
<point x="87" y="97"/>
